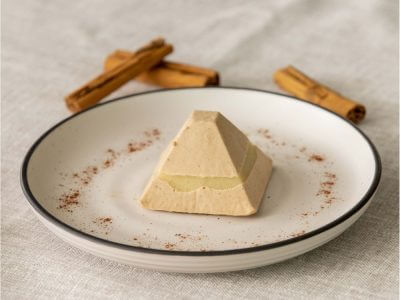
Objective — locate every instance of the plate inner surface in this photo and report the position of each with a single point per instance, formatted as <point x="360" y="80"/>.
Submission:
<point x="90" y="171"/>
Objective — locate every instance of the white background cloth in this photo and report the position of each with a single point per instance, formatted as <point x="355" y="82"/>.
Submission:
<point x="52" y="47"/>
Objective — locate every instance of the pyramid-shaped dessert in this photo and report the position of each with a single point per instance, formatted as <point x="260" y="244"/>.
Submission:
<point x="210" y="167"/>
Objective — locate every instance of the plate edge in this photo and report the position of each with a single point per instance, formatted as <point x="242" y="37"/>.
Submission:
<point x="44" y="213"/>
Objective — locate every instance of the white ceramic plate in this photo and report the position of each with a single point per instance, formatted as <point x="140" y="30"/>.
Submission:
<point x="83" y="178"/>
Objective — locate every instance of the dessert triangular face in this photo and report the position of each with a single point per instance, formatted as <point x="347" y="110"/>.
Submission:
<point x="209" y="168"/>
<point x="208" y="145"/>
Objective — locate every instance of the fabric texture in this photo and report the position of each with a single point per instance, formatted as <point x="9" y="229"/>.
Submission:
<point x="52" y="47"/>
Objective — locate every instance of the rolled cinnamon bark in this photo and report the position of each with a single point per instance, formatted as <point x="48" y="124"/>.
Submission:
<point x="300" y="85"/>
<point x="167" y="74"/>
<point x="138" y="62"/>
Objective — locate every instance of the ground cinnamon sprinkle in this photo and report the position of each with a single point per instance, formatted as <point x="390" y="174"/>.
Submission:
<point x="297" y="234"/>
<point x="264" y="133"/>
<point x="181" y="235"/>
<point x="112" y="152"/>
<point x="83" y="178"/>
<point x="330" y="200"/>
<point x="156" y="132"/>
<point x="323" y="192"/>
<point x="326" y="191"/>
<point x="133" y="147"/>
<point x="139" y="146"/>
<point x="330" y="175"/>
<point x="153" y="133"/>
<point x="103" y="223"/>
<point x="326" y="187"/>
<point x="169" y="246"/>
<point x="87" y="174"/>
<point x="110" y="161"/>
<point x="316" y="157"/>
<point x="69" y="199"/>
<point x="184" y="236"/>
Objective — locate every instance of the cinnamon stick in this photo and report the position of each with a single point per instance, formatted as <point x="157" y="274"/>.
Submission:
<point x="138" y="62"/>
<point x="300" y="85"/>
<point x="167" y="74"/>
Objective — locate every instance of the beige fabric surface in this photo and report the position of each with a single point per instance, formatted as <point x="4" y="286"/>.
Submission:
<point x="52" y="47"/>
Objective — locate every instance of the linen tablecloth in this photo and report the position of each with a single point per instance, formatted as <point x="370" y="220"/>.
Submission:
<point x="52" y="47"/>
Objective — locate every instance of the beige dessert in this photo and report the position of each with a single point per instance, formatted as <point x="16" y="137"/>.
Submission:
<point x="209" y="168"/>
